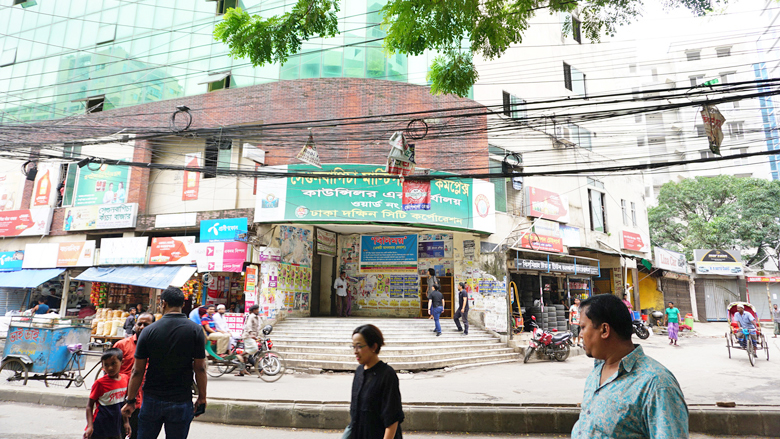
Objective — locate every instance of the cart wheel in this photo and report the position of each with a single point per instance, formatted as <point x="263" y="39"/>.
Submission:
<point x="765" y="346"/>
<point x="216" y="370"/>
<point x="728" y="345"/>
<point x="750" y="350"/>
<point x="62" y="379"/>
<point x="78" y="380"/>
<point x="270" y="366"/>
<point x="13" y="372"/>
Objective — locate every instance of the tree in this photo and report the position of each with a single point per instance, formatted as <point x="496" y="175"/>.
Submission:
<point x="457" y="29"/>
<point x="722" y="212"/>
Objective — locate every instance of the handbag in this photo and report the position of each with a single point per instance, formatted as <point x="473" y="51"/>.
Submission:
<point x="347" y="432"/>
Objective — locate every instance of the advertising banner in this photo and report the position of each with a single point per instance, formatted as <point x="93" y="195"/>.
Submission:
<point x="388" y="253"/>
<point x="366" y="193"/>
<point x="545" y="204"/>
<point x="123" y="251"/>
<point x="172" y="251"/>
<point x="59" y="254"/>
<point x="268" y="254"/>
<point x="32" y="222"/>
<point x="326" y="243"/>
<point x="220" y="256"/>
<point x="571" y="236"/>
<point x="46" y="182"/>
<point x="718" y="262"/>
<point x="634" y="241"/>
<point x="250" y="287"/>
<point x="9" y="183"/>
<point x="765" y="279"/>
<point x="670" y="261"/>
<point x="101" y="216"/>
<point x="434" y="245"/>
<point x="558" y="267"/>
<point x="106" y="185"/>
<point x="544" y="243"/>
<point x="11" y="261"/>
<point x="223" y="230"/>
<point x="416" y="195"/>
<point x="191" y="184"/>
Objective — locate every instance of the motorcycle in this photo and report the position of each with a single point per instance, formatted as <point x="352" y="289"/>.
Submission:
<point x="555" y="346"/>
<point x="640" y="329"/>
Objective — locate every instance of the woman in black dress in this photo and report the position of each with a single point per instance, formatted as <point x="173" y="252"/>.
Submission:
<point x="376" y="399"/>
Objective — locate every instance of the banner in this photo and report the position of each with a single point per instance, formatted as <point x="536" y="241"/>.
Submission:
<point x="59" y="254"/>
<point x="9" y="195"/>
<point x="634" y="241"/>
<point x="545" y="204"/>
<point x="309" y="153"/>
<point x="101" y="216"/>
<point x="250" y="287"/>
<point x="191" y="184"/>
<point x="670" y="261"/>
<point x="106" y="185"/>
<point x="416" y="195"/>
<point x="388" y="253"/>
<point x="434" y="245"/>
<point x="558" y="267"/>
<point x="172" y="251"/>
<point x="123" y="251"/>
<point x="366" y="193"/>
<point x="45" y="187"/>
<point x="220" y="256"/>
<point x="718" y="262"/>
<point x="535" y="241"/>
<point x="326" y="243"/>
<point x="223" y="230"/>
<point x="32" y="222"/>
<point x="11" y="261"/>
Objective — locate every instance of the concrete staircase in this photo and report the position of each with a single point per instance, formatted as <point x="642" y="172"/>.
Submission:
<point x="410" y="344"/>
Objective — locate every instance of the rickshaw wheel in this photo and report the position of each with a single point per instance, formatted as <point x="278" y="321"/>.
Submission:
<point x="728" y="345"/>
<point x="62" y="379"/>
<point x="750" y="349"/>
<point x="217" y="369"/>
<point x="764" y="346"/>
<point x="13" y="371"/>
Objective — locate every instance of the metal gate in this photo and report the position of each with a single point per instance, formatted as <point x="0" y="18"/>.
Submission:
<point x="718" y="294"/>
<point x="759" y="299"/>
<point x="678" y="292"/>
<point x="11" y="299"/>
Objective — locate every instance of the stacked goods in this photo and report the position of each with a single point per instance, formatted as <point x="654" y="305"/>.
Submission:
<point x="191" y="288"/>
<point x="98" y="296"/>
<point x="108" y="322"/>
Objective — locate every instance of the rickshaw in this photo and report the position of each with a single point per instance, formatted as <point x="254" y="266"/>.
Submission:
<point x="732" y="340"/>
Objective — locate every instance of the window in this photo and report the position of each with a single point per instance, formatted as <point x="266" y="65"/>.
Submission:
<point x="633" y="213"/>
<point x="106" y="34"/>
<point x="742" y="160"/>
<point x="693" y="55"/>
<point x="8" y="57"/>
<point x="70" y="183"/>
<point x="595" y="183"/>
<point x="727" y="77"/>
<point x="95" y="104"/>
<point x="220" y="84"/>
<point x="573" y="79"/>
<point x="723" y="51"/>
<point x="514" y="107"/>
<point x="700" y="132"/>
<point x="624" y="208"/>
<point x="224" y="5"/>
<point x="567" y="77"/>
<point x="575" y="29"/>
<point x="696" y="80"/>
<point x="736" y="130"/>
<point x="575" y="134"/>
<point x="635" y="93"/>
<point x="71" y="150"/>
<point x="640" y="142"/>
<point x="499" y="184"/>
<point x="217" y="156"/>
<point x="597" y="211"/>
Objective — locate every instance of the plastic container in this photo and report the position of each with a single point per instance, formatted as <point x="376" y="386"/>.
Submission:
<point x="689" y="320"/>
<point x="644" y="317"/>
<point x="635" y="315"/>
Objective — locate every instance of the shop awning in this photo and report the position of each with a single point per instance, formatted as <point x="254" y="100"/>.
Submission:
<point x="28" y="278"/>
<point x="152" y="277"/>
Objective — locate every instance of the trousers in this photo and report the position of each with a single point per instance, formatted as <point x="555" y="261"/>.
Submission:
<point x="341" y="305"/>
<point x="156" y="413"/>
<point x="436" y="311"/>
<point x="222" y="340"/>
<point x="465" y="317"/>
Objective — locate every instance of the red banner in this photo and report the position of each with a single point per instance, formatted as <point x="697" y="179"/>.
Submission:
<point x="543" y="243"/>
<point x="416" y="195"/>
<point x="634" y="241"/>
<point x="172" y="251"/>
<point x="547" y="205"/>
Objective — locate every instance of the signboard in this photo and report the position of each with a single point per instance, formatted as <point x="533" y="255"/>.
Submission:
<point x="123" y="251"/>
<point x="11" y="261"/>
<point x="364" y="193"/>
<point x="223" y="230"/>
<point x="571" y="236"/>
<point x="9" y="183"/>
<point x="545" y="204"/>
<point x="634" y="241"/>
<point x="765" y="279"/>
<point x="59" y="254"/>
<point x="45" y="187"/>
<point x="269" y="254"/>
<point x="469" y="249"/>
<point x="535" y="241"/>
<point x="191" y="184"/>
<point x="718" y="262"/>
<point x="326" y="243"/>
<point x="220" y="256"/>
<point x="670" y="261"/>
<point x="558" y="267"/>
<point x="388" y="253"/>
<point x="172" y="251"/>
<point x="434" y="245"/>
<point x="416" y="195"/>
<point x="101" y="216"/>
<point x="106" y="185"/>
<point x="29" y="222"/>
<point x="176" y="220"/>
<point x="235" y="323"/>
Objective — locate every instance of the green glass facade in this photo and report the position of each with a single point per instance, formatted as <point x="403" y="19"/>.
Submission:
<point x="55" y="54"/>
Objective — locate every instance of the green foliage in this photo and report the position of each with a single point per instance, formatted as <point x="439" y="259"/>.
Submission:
<point x="457" y="29"/>
<point x="722" y="212"/>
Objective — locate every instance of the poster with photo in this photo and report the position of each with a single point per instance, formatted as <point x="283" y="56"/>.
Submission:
<point x="296" y="244"/>
<point x="349" y="254"/>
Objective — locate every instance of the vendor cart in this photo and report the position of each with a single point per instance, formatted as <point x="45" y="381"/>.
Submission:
<point x="42" y="348"/>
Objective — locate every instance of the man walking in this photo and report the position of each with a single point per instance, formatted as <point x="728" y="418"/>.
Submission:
<point x="574" y="320"/>
<point x="127" y="346"/>
<point x="776" y="319"/>
<point x="627" y="394"/>
<point x="130" y="323"/>
<point x="435" y="308"/>
<point x="173" y="348"/>
<point x="340" y="285"/>
<point x="462" y="309"/>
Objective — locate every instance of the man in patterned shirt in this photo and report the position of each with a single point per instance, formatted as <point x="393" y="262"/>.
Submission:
<point x="627" y="394"/>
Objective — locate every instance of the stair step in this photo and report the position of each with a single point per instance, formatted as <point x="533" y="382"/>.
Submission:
<point x="393" y="343"/>
<point x="412" y="366"/>
<point x="402" y="358"/>
<point x="392" y="350"/>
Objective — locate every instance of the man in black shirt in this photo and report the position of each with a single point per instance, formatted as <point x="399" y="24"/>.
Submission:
<point x="173" y="347"/>
<point x="435" y="307"/>
<point x="461" y="309"/>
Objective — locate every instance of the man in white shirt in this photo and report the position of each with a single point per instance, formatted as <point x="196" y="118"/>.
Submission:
<point x="574" y="320"/>
<point x="340" y="285"/>
<point x="219" y="320"/>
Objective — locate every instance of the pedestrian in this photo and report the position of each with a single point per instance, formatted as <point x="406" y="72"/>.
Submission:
<point x="432" y="280"/>
<point x="250" y="333"/>
<point x="462" y="309"/>
<point x="139" y="309"/>
<point x="574" y="321"/>
<point x="41" y="307"/>
<point x="776" y="319"/>
<point x="130" y="322"/>
<point x="222" y="326"/>
<point x="197" y="314"/>
<point x="435" y="308"/>
<point x="167" y="354"/>
<point x="375" y="408"/>
<point x="127" y="346"/>
<point x="340" y="285"/>
<point x="627" y="302"/>
<point x="627" y="394"/>
<point x="672" y="320"/>
<point x="210" y="326"/>
<point x="104" y="416"/>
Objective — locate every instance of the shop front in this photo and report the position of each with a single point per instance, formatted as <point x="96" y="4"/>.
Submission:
<point x="717" y="282"/>
<point x="221" y="256"/>
<point x="762" y="292"/>
<point x="363" y="223"/>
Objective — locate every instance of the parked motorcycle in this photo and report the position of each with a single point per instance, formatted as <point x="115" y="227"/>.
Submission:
<point x="640" y="329"/>
<point x="554" y="346"/>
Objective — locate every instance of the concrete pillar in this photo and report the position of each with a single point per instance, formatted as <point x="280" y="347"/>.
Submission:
<point x="65" y="294"/>
<point x="692" y="290"/>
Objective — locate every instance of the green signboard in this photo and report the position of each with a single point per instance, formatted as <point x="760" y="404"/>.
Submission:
<point x="104" y="185"/>
<point x="365" y="193"/>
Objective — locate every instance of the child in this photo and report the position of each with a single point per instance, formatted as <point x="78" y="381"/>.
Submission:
<point x="109" y="392"/>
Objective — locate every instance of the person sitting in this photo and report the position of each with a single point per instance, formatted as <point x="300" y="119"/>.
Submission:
<point x="745" y="320"/>
<point x="41" y="307"/>
<point x="210" y="326"/>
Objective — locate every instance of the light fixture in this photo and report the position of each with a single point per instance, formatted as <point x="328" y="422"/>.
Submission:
<point x="182" y="108"/>
<point x="83" y="162"/>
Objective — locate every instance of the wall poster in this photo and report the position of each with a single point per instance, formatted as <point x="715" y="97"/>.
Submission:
<point x="388" y="253"/>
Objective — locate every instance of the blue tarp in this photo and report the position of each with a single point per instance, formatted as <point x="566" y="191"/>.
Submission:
<point x="142" y="276"/>
<point x="28" y="278"/>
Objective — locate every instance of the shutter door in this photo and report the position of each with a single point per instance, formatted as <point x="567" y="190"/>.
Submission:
<point x="759" y="300"/>
<point x="11" y="299"/>
<point x="677" y="291"/>
<point x="718" y="294"/>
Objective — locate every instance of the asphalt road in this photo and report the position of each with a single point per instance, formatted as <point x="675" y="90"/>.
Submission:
<point x="23" y="421"/>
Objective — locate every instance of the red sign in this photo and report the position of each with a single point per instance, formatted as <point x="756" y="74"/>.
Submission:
<point x="416" y="195"/>
<point x="34" y="221"/>
<point x="634" y="241"/>
<point x="191" y="179"/>
<point x="547" y="205"/>
<point x="770" y="279"/>
<point x="543" y="243"/>
<point x="172" y="251"/>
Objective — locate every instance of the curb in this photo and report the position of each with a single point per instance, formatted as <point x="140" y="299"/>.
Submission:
<point x="482" y="418"/>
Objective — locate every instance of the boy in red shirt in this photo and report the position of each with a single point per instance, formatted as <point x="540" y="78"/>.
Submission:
<point x="105" y="421"/>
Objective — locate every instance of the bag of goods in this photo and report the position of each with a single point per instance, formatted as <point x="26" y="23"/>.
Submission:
<point x="99" y="328"/>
